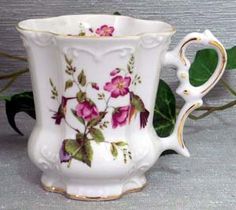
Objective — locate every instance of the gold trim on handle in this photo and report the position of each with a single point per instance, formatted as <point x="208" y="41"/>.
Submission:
<point x="181" y="52"/>
<point x="224" y="60"/>
<point x="182" y="121"/>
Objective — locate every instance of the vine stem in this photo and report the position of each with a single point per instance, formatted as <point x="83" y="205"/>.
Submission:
<point x="227" y="86"/>
<point x="212" y="109"/>
<point x="14" y="57"/>
<point x="14" y="74"/>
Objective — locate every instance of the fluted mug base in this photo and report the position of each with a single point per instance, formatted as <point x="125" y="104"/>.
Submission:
<point x="85" y="192"/>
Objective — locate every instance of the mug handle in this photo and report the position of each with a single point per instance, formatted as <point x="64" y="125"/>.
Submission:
<point x="192" y="95"/>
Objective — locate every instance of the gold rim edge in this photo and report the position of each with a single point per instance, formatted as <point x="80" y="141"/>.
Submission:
<point x="87" y="198"/>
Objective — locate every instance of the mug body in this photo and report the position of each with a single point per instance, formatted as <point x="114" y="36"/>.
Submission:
<point x="94" y="79"/>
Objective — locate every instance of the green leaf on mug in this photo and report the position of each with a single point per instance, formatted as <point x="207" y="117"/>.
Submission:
<point x="82" y="78"/>
<point x="205" y="62"/>
<point x="82" y="153"/>
<point x="68" y="84"/>
<point x="80" y="119"/>
<point x="21" y="102"/>
<point x="96" y="134"/>
<point x="114" y="151"/>
<point x="87" y="153"/>
<point x="164" y="113"/>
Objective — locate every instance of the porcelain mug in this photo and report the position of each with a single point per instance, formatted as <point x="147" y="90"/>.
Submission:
<point x="95" y="79"/>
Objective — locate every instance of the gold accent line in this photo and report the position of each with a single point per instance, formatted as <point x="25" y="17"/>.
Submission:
<point x="224" y="60"/>
<point x="181" y="54"/>
<point x="170" y="31"/>
<point x="88" y="198"/>
<point x="181" y="124"/>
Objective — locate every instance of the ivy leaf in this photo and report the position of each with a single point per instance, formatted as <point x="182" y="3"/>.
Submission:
<point x="164" y="113"/>
<point x="68" y="84"/>
<point x="114" y="151"/>
<point x="116" y="13"/>
<point x="80" y="96"/>
<point x="203" y="66"/>
<point x="21" y="102"/>
<point x="205" y="62"/>
<point x="231" y="54"/>
<point x="81" y="120"/>
<point x="82" y="78"/>
<point x="96" y="134"/>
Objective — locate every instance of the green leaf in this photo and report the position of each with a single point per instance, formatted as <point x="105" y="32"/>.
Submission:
<point x="82" y="78"/>
<point x="68" y="61"/>
<point x="21" y="102"/>
<point x="137" y="102"/>
<point x="231" y="63"/>
<point x="96" y="134"/>
<point x="68" y="84"/>
<point x="87" y="153"/>
<point x="203" y="66"/>
<point x="81" y="120"/>
<point x="116" y="13"/>
<point x="79" y="136"/>
<point x="80" y="96"/>
<point x="120" y="143"/>
<point x="82" y="153"/>
<point x="205" y="62"/>
<point x="97" y="120"/>
<point x="74" y="149"/>
<point x="164" y="113"/>
<point x="114" y="151"/>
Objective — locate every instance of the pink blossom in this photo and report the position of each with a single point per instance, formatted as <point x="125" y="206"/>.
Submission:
<point x="114" y="72"/>
<point x="119" y="86"/>
<point x="95" y="86"/>
<point x="87" y="110"/>
<point x="120" y="116"/>
<point x="105" y="30"/>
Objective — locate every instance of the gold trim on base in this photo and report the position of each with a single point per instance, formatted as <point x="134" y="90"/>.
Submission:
<point x="88" y="198"/>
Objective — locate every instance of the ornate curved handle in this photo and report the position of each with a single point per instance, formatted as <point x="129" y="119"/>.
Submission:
<point x="192" y="95"/>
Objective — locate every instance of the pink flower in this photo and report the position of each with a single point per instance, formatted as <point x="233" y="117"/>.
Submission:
<point x="87" y="110"/>
<point x="105" y="30"/>
<point x="120" y="116"/>
<point x="95" y="86"/>
<point x="119" y="86"/>
<point x="114" y="72"/>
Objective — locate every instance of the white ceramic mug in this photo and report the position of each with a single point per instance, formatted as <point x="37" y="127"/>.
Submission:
<point x="94" y="80"/>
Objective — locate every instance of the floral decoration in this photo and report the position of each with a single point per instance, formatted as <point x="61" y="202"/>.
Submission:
<point x="91" y="117"/>
<point x="104" y="30"/>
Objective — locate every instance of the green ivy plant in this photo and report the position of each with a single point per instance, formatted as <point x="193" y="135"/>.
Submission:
<point x="166" y="109"/>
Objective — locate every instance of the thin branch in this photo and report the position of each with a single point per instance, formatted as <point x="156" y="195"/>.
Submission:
<point x="17" y="73"/>
<point x="227" y="87"/>
<point x="14" y="57"/>
<point x="2" y="98"/>
<point x="213" y="109"/>
<point x="9" y="83"/>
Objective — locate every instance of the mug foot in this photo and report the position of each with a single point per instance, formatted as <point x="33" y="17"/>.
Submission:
<point x="96" y="192"/>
